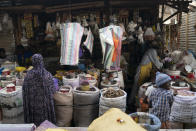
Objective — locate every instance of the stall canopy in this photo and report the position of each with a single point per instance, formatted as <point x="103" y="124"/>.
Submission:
<point x="56" y="5"/>
<point x="52" y="6"/>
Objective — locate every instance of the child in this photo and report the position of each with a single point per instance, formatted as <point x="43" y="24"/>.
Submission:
<point x="161" y="99"/>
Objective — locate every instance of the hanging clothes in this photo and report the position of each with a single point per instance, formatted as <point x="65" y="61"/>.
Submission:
<point x="111" y="38"/>
<point x="71" y="35"/>
<point x="89" y="41"/>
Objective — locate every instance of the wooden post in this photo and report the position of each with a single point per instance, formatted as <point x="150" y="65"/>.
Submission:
<point x="162" y="15"/>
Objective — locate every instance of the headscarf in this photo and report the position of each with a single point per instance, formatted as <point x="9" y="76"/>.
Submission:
<point x="38" y="90"/>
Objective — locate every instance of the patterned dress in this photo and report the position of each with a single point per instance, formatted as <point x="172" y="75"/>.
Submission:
<point x="38" y="90"/>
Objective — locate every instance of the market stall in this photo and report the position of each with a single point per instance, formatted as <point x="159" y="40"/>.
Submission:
<point x="86" y="51"/>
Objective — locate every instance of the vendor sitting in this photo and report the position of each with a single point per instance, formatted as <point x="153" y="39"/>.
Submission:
<point x="161" y="99"/>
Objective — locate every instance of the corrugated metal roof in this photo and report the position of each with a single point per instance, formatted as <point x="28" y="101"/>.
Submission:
<point x="188" y="32"/>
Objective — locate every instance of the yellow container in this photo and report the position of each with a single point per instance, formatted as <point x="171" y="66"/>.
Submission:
<point x="20" y="69"/>
<point x="85" y="88"/>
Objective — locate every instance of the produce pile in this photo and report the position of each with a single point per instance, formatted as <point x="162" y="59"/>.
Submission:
<point x="80" y="89"/>
<point x="112" y="93"/>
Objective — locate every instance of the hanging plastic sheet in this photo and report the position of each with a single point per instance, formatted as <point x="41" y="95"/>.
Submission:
<point x="111" y="38"/>
<point x="89" y="41"/>
<point x="71" y="35"/>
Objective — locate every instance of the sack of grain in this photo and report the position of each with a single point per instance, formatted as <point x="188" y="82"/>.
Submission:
<point x="184" y="109"/>
<point x="85" y="106"/>
<point x="64" y="106"/>
<point x="111" y="98"/>
<point x="74" y="82"/>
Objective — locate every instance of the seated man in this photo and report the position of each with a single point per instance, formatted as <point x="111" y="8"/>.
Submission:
<point x="161" y="99"/>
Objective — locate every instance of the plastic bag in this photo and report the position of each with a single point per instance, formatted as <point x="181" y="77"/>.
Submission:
<point x="84" y="22"/>
<point x="140" y="35"/>
<point x="131" y="26"/>
<point x="149" y="34"/>
<point x="140" y="20"/>
<point x="48" y="28"/>
<point x="10" y="24"/>
<point x="158" y="27"/>
<point x="78" y="19"/>
<point x="5" y="18"/>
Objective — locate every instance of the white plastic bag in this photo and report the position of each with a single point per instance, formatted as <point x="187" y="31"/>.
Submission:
<point x="149" y="34"/>
<point x="131" y="26"/>
<point x="84" y="22"/>
<point x="140" y="35"/>
<point x="158" y="27"/>
<point x="5" y="18"/>
<point x="48" y="28"/>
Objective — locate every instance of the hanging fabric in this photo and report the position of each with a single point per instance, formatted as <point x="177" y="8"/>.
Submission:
<point x="149" y="34"/>
<point x="49" y="32"/>
<point x="158" y="27"/>
<point x="89" y="41"/>
<point x="36" y="21"/>
<point x="140" y="36"/>
<point x="28" y="25"/>
<point x="111" y="44"/>
<point x="131" y="26"/>
<point x="71" y="35"/>
<point x="58" y="21"/>
<point x="116" y="42"/>
<point x="118" y="32"/>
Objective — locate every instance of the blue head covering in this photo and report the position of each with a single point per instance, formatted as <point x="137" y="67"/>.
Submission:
<point x="161" y="79"/>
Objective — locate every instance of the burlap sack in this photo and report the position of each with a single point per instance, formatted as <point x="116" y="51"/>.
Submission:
<point x="107" y="103"/>
<point x="86" y="107"/>
<point x="64" y="107"/>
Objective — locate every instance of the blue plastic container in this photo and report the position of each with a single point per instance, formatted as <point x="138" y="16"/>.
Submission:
<point x="150" y="127"/>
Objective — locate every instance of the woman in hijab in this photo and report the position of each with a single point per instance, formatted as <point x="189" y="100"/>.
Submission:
<point x="38" y="90"/>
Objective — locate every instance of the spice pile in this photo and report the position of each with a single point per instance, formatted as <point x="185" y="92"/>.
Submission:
<point x="80" y="89"/>
<point x="112" y="93"/>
